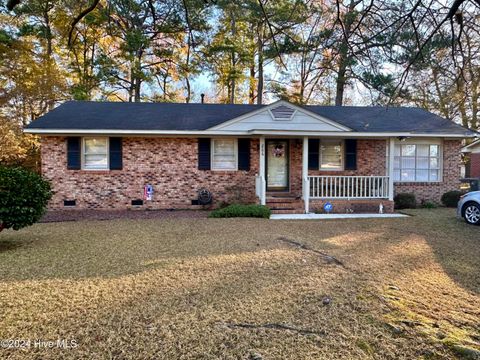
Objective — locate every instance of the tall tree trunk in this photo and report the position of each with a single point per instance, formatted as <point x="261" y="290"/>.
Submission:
<point x="251" y="92"/>
<point x="48" y="56"/>
<point x="138" y="85"/>
<point x="233" y="73"/>
<point x="260" y="66"/>
<point x="341" y="81"/>
<point x="461" y="101"/>
<point x="131" y="85"/>
<point x="189" y="89"/>
<point x="344" y="56"/>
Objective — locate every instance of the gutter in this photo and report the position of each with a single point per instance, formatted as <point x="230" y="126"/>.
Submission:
<point x="257" y="132"/>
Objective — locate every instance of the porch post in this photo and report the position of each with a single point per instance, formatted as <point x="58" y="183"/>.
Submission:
<point x="391" y="152"/>
<point x="263" y="190"/>
<point x="305" y="182"/>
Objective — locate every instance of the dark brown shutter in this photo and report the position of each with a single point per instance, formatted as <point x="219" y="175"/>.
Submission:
<point x="244" y="154"/>
<point x="115" y="149"/>
<point x="204" y="154"/>
<point x="351" y="154"/>
<point x="74" y="153"/>
<point x="313" y="154"/>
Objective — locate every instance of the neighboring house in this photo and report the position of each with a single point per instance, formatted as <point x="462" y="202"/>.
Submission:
<point x="101" y="155"/>
<point x="473" y="165"/>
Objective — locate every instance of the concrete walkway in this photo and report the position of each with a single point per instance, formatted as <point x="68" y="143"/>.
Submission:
<point x="333" y="216"/>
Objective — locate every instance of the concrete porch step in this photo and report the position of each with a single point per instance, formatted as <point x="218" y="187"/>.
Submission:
<point x="283" y="199"/>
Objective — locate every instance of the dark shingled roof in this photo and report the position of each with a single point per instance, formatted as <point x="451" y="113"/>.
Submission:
<point x="89" y="115"/>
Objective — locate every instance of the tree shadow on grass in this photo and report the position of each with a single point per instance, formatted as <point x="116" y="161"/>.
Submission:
<point x="7" y="245"/>
<point x="455" y="244"/>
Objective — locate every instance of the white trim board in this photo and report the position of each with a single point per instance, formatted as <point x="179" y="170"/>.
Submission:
<point x="258" y="133"/>
<point x="472" y="147"/>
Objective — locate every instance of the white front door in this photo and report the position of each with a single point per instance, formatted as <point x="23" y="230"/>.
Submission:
<point x="277" y="165"/>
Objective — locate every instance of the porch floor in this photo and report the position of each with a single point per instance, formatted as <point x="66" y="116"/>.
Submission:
<point x="332" y="216"/>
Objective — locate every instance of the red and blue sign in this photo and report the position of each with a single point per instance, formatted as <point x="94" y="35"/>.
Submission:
<point x="148" y="192"/>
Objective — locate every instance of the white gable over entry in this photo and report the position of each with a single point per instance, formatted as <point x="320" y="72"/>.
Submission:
<point x="281" y="115"/>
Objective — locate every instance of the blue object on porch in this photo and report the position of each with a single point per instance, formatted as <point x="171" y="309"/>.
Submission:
<point x="328" y="207"/>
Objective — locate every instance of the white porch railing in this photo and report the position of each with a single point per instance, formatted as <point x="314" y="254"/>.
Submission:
<point x="348" y="187"/>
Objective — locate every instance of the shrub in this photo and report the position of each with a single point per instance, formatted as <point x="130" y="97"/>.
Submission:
<point x="23" y="197"/>
<point x="428" y="204"/>
<point x="237" y="210"/>
<point x="405" y="201"/>
<point x="451" y="198"/>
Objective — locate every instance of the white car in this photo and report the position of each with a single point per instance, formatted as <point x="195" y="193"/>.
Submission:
<point x="469" y="207"/>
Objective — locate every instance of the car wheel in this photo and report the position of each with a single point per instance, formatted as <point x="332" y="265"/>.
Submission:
<point x="472" y="213"/>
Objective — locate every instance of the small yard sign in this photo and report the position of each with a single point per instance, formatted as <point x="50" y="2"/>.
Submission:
<point x="328" y="207"/>
<point x="148" y="192"/>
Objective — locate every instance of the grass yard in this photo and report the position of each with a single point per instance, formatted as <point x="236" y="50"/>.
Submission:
<point x="244" y="288"/>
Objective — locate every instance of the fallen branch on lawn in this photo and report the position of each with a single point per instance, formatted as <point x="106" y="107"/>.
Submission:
<point x="330" y="259"/>
<point x="274" y="326"/>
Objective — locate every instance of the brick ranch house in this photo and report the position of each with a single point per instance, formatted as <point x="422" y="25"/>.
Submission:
<point x="102" y="155"/>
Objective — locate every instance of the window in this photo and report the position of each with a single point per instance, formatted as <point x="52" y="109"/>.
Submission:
<point x="416" y="162"/>
<point x="224" y="154"/>
<point x="95" y="153"/>
<point x="331" y="154"/>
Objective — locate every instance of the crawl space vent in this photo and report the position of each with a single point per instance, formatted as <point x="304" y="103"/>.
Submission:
<point x="137" y="202"/>
<point x="68" y="203"/>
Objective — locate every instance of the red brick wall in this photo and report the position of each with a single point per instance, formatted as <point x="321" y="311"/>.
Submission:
<point x="451" y="176"/>
<point x="169" y="164"/>
<point x="352" y="206"/>
<point x="475" y="165"/>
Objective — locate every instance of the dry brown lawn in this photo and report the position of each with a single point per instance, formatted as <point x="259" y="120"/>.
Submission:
<point x="233" y="289"/>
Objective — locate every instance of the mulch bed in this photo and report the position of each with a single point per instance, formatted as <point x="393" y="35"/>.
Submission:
<point x="79" y="215"/>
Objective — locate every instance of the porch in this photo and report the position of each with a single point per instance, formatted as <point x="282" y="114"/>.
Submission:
<point x="360" y="188"/>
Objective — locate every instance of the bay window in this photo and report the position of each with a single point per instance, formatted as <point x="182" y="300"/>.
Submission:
<point x="95" y="153"/>
<point x="417" y="162"/>
<point x="224" y="154"/>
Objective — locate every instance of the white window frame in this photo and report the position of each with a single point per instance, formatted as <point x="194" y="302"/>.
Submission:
<point x="429" y="142"/>
<point x="342" y="155"/>
<point x="235" y="149"/>
<point x="83" y="153"/>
